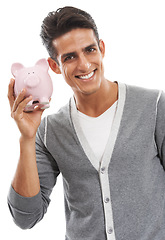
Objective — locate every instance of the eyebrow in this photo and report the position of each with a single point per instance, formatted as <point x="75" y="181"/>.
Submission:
<point x="90" y="46"/>
<point x="68" y="54"/>
<point x="74" y="53"/>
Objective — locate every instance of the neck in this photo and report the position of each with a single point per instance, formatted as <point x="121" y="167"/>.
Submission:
<point x="98" y="102"/>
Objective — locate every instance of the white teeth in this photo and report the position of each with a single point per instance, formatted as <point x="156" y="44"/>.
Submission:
<point x="86" y="76"/>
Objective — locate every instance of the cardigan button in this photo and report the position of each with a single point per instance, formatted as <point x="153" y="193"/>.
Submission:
<point x="103" y="170"/>
<point x="110" y="230"/>
<point x="106" y="200"/>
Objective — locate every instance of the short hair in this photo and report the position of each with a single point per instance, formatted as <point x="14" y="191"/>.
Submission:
<point x="62" y="21"/>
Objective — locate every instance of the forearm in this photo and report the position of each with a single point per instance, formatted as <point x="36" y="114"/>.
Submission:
<point x="26" y="180"/>
<point x="25" y="211"/>
<point x="26" y="202"/>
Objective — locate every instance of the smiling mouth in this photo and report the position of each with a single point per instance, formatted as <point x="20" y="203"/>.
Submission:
<point x="86" y="76"/>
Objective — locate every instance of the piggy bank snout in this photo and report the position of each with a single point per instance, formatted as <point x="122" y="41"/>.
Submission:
<point x="31" y="80"/>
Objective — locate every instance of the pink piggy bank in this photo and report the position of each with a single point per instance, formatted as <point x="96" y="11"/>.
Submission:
<point x="37" y="82"/>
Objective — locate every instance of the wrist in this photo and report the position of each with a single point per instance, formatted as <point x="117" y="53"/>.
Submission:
<point x="24" y="139"/>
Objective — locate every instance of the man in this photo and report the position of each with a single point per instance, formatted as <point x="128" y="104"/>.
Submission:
<point x="108" y="143"/>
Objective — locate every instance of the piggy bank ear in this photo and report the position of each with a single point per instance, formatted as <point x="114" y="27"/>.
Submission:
<point x="43" y="63"/>
<point x="15" y="68"/>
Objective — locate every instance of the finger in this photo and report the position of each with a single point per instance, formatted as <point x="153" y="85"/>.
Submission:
<point x="10" y="95"/>
<point x="21" y="106"/>
<point x="17" y="114"/>
<point x="18" y="100"/>
<point x="38" y="109"/>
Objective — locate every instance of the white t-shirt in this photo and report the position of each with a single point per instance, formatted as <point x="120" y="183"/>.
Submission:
<point x="97" y="129"/>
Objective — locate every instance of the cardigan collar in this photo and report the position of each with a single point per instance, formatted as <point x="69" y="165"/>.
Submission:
<point x="113" y="134"/>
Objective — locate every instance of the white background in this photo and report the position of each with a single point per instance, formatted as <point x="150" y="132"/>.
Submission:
<point x="134" y="35"/>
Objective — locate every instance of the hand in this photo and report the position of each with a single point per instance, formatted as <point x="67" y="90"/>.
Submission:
<point x="27" y="123"/>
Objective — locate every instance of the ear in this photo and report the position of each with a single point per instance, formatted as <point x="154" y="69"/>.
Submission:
<point x="102" y="47"/>
<point x="43" y="63"/>
<point x="15" y="68"/>
<point x="54" y="66"/>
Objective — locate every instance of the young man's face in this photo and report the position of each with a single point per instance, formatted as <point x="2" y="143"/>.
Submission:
<point x="80" y="60"/>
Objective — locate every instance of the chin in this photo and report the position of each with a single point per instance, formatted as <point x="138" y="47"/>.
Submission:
<point x="90" y="91"/>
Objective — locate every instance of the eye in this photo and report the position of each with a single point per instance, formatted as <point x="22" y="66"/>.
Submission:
<point x="68" y="58"/>
<point x="90" y="50"/>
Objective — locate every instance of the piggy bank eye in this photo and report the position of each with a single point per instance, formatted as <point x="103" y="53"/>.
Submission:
<point x="28" y="73"/>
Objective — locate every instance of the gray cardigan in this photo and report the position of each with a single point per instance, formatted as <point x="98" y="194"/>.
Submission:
<point x="123" y="198"/>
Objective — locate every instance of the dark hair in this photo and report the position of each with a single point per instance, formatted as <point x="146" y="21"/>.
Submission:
<point x="62" y="21"/>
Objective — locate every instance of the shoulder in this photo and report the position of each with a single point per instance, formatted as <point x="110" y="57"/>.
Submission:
<point x="55" y="120"/>
<point x="142" y="97"/>
<point x="61" y="116"/>
<point x="145" y="93"/>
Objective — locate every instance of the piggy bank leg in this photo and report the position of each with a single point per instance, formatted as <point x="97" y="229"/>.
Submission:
<point x="44" y="103"/>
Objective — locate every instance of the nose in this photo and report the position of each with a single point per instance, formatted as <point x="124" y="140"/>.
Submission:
<point x="31" y="81"/>
<point x="83" y="63"/>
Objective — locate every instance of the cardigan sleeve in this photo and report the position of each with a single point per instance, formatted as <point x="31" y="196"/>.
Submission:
<point x="26" y="212"/>
<point x="160" y="128"/>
